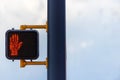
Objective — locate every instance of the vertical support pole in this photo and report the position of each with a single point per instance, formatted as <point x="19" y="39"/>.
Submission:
<point x="56" y="40"/>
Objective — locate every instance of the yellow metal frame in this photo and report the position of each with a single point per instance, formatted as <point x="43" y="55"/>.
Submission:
<point x="23" y="63"/>
<point x="23" y="27"/>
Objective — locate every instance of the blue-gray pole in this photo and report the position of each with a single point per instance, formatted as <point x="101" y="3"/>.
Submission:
<point x="56" y="40"/>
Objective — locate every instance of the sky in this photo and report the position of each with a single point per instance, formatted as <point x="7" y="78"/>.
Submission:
<point x="92" y="38"/>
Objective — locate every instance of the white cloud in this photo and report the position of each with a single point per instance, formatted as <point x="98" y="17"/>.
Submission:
<point x="83" y="44"/>
<point x="86" y="44"/>
<point x="23" y="11"/>
<point x="76" y="46"/>
<point x="91" y="8"/>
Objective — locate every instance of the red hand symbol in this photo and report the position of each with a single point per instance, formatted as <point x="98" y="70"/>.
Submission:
<point x="15" y="44"/>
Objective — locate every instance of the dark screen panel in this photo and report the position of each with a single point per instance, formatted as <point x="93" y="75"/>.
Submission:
<point x="22" y="44"/>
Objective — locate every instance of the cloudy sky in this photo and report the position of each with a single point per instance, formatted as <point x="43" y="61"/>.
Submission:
<point x="93" y="39"/>
<point x="92" y="27"/>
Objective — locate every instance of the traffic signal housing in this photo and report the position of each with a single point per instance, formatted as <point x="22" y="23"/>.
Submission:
<point x="22" y="44"/>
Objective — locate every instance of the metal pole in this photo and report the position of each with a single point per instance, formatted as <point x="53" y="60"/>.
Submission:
<point x="56" y="40"/>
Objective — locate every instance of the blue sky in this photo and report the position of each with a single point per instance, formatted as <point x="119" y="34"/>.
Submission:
<point x="93" y="39"/>
<point x="92" y="34"/>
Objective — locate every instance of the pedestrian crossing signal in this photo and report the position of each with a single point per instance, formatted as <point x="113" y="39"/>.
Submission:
<point x="22" y="44"/>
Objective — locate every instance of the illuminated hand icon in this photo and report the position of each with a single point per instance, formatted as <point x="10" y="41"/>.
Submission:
<point x="15" y="44"/>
